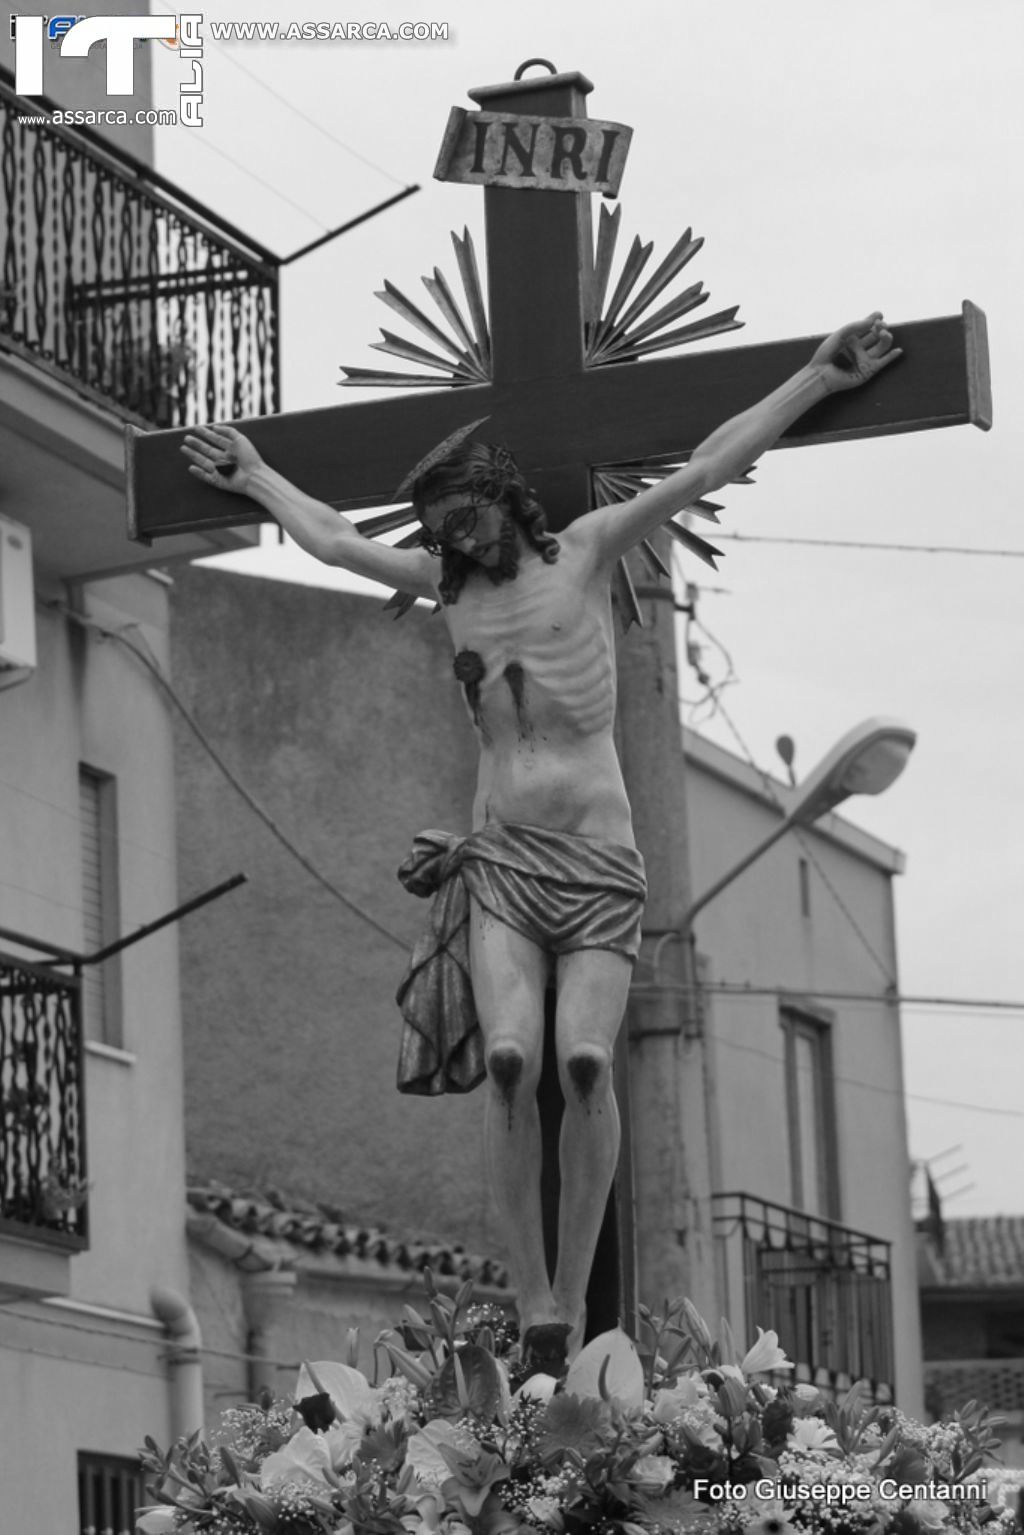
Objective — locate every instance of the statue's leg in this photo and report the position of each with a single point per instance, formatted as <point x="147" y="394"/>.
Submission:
<point x="593" y="985"/>
<point x="509" y="980"/>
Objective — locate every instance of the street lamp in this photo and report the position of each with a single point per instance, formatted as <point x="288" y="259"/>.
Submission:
<point x="866" y="760"/>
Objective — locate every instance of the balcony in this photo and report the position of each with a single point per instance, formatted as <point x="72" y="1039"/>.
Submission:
<point x="122" y="300"/>
<point x="825" y="1289"/>
<point x="43" y="1186"/>
<point x="126" y="288"/>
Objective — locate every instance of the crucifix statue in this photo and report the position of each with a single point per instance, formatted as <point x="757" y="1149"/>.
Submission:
<point x="520" y="525"/>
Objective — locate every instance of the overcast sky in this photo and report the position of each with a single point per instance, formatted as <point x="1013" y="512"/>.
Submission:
<point x="836" y="158"/>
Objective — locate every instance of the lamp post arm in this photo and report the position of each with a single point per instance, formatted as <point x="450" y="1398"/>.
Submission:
<point x="755" y="853"/>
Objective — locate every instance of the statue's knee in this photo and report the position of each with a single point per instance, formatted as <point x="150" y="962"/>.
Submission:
<point x="589" y="1072"/>
<point x="507" y="1070"/>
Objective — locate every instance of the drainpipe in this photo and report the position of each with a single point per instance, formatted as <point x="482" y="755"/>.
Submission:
<point x="185" y="1359"/>
<point x="265" y="1296"/>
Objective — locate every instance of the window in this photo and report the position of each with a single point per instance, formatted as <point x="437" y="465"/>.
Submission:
<point x="110" y="1489"/>
<point x="101" y="906"/>
<point x="810" y="1102"/>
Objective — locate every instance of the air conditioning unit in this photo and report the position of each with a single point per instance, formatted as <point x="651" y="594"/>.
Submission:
<point x="17" y="604"/>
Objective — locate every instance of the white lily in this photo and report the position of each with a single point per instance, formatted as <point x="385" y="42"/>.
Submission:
<point x="342" y="1441"/>
<point x="156" y="1521"/>
<point x="305" y="1457"/>
<point x="811" y="1434"/>
<point x="670" y="1401"/>
<point x="765" y="1355"/>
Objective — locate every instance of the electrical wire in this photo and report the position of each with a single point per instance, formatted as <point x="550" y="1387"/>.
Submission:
<point x="708" y="701"/>
<point x="152" y="665"/>
<point x="711" y="701"/>
<point x="805" y="844"/>
<point x="304" y="116"/>
<point x="69" y="814"/>
<point x="714" y="695"/>
<point x="878" y="1087"/>
<point x="964" y="1005"/>
<point x="248" y="171"/>
<point x="153" y="1340"/>
<point x="853" y="543"/>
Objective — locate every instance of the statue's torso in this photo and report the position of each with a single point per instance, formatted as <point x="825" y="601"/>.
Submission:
<point x="536" y="660"/>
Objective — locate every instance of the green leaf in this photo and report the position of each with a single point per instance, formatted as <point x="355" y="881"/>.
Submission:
<point x="464" y="1295"/>
<point x="468" y="1382"/>
<point x="411" y="1368"/>
<point x="230" y="1464"/>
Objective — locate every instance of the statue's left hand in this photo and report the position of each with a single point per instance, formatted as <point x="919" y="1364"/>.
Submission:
<point x="855" y="353"/>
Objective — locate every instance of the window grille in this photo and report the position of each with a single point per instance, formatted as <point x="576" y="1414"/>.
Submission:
<point x="101" y="917"/>
<point x="110" y="1491"/>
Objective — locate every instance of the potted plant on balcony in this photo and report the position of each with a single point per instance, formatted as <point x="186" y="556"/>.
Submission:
<point x="155" y="377"/>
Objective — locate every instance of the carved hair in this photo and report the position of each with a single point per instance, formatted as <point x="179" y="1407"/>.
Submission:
<point x="487" y="474"/>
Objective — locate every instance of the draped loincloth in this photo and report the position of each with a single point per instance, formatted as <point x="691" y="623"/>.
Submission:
<point x="560" y="891"/>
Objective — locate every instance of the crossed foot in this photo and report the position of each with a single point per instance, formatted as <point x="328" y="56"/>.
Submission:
<point x="549" y="1347"/>
<point x="546" y="1349"/>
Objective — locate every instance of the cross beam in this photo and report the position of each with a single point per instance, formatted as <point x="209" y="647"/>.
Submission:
<point x="353" y="455"/>
<point x="559" y="415"/>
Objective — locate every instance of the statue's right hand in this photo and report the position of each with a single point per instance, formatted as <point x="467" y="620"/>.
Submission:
<point x="221" y="456"/>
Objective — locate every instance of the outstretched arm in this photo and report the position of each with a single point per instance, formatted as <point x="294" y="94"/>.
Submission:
<point x="222" y="456"/>
<point x="849" y="357"/>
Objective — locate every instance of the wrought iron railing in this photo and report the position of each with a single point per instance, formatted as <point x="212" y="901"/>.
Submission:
<point x="998" y="1383"/>
<point x="825" y="1289"/>
<point x="123" y="285"/>
<point x="43" y="1185"/>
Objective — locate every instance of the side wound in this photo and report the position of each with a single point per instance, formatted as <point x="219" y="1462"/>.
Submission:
<point x="470" y="670"/>
<point x="516" y="679"/>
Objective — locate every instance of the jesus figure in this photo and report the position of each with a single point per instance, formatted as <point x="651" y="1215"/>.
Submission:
<point x="549" y="887"/>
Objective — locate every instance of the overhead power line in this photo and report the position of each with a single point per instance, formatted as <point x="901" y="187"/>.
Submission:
<point x="886" y="548"/>
<point x="148" y="660"/>
<point x="248" y="171"/>
<point x="304" y="116"/>
<point x="883" y="1088"/>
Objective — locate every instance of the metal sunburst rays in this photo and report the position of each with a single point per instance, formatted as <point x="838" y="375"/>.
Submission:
<point x="624" y="328"/>
<point x="467" y="357"/>
<point x="626" y="331"/>
<point x="613" y="484"/>
<point x="619" y="333"/>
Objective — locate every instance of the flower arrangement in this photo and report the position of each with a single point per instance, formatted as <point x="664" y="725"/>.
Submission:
<point x="682" y="1435"/>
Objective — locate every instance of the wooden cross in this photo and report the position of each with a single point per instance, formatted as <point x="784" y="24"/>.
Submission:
<point x="561" y="408"/>
<point x="560" y="415"/>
